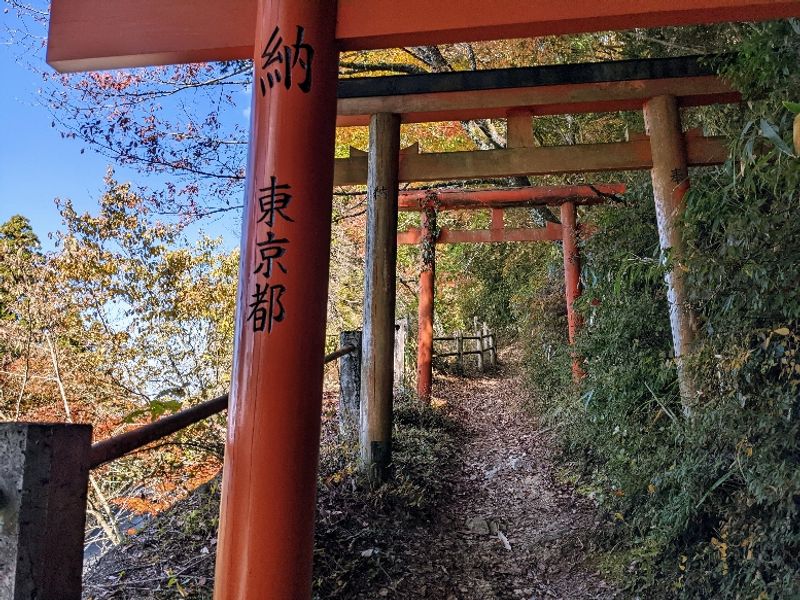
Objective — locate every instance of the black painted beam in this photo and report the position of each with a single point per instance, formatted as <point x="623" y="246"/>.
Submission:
<point x="622" y="70"/>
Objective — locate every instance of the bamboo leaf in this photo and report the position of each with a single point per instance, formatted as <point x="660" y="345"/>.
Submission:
<point x="768" y="131"/>
<point x="792" y="106"/>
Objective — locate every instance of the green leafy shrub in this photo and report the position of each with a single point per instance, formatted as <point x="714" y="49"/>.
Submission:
<point x="703" y="505"/>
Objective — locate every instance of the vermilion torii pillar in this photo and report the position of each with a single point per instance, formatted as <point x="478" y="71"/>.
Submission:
<point x="572" y="274"/>
<point x="427" y="282"/>
<point x="269" y="482"/>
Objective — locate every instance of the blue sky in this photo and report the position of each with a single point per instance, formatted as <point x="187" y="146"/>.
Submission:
<point x="37" y="165"/>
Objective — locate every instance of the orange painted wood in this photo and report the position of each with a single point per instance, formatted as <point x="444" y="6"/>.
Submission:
<point x="387" y="23"/>
<point x="497" y="219"/>
<point x="427" y="286"/>
<point x="427" y="282"/>
<point x="584" y="158"/>
<point x="572" y="277"/>
<point x="572" y="264"/>
<point x="90" y="35"/>
<point x="100" y="34"/>
<point x="271" y="454"/>
<point x="458" y="199"/>
<point x="540" y="100"/>
<point x="551" y="233"/>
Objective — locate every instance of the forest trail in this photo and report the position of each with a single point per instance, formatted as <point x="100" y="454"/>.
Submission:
<point x="474" y="513"/>
<point x="506" y="529"/>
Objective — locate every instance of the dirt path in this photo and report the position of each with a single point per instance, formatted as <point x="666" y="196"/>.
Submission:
<point x="507" y="529"/>
<point x="477" y="515"/>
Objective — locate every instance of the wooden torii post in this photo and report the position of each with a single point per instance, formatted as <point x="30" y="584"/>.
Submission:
<point x="269" y="485"/>
<point x="430" y="201"/>
<point x="271" y="454"/>
<point x="670" y="175"/>
<point x="377" y="346"/>
<point x="572" y="275"/>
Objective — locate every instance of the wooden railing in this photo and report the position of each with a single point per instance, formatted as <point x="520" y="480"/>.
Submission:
<point x="485" y="346"/>
<point x="119" y="445"/>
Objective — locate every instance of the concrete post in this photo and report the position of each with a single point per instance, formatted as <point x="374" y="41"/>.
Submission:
<point x="377" y="364"/>
<point x="670" y="181"/>
<point x="400" y="338"/>
<point x="44" y="478"/>
<point x="350" y="385"/>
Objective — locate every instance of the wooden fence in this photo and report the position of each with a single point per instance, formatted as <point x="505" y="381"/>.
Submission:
<point x="484" y="346"/>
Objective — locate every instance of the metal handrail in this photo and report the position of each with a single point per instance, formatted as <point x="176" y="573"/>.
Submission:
<point x="125" y="443"/>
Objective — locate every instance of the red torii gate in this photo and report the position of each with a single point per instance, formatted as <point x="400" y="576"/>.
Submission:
<point x="567" y="198"/>
<point x="266" y="528"/>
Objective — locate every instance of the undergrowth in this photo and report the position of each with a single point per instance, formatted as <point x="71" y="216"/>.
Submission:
<point x="356" y="532"/>
<point x="704" y="496"/>
<point x="358" y="529"/>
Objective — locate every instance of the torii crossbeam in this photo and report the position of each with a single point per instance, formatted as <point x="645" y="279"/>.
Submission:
<point x="430" y="202"/>
<point x="269" y="486"/>
<point x="98" y="34"/>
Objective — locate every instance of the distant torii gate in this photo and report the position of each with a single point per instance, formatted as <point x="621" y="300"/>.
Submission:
<point x="267" y="519"/>
<point x="567" y="198"/>
<point x="667" y="152"/>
